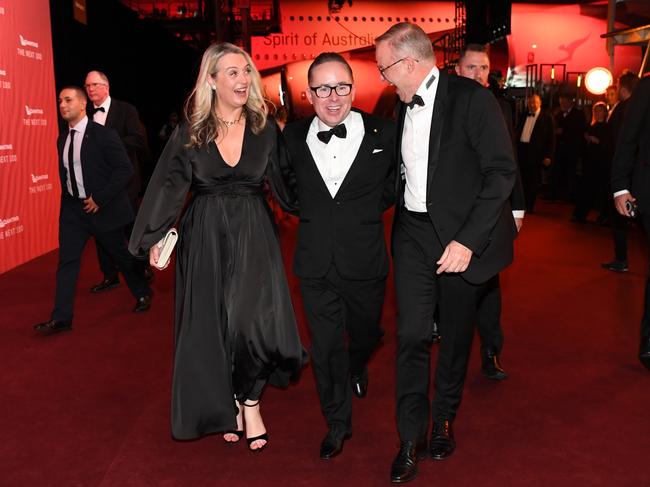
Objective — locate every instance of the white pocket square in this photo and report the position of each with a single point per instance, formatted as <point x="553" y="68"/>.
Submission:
<point x="374" y="151"/>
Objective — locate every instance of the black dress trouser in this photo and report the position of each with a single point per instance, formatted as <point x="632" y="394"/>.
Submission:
<point x="645" y="321"/>
<point x="75" y="228"/>
<point x="341" y="311"/>
<point x="488" y="320"/>
<point x="416" y="249"/>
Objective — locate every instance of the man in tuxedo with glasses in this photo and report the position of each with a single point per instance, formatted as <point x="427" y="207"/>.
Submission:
<point x="342" y="160"/>
<point x="94" y="171"/>
<point x="452" y="232"/>
<point x="123" y="118"/>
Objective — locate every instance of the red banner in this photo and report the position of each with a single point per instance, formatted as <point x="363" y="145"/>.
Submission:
<point x="29" y="181"/>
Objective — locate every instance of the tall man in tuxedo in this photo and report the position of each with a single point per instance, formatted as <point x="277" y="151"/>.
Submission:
<point x="124" y="119"/>
<point x="570" y="126"/>
<point x="535" y="148"/>
<point x="94" y="171"/>
<point x="453" y="231"/>
<point x="474" y="63"/>
<point x="631" y="182"/>
<point x="625" y="84"/>
<point x="343" y="164"/>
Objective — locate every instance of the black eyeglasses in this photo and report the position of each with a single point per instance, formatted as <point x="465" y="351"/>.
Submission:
<point x="324" y="91"/>
<point x="383" y="70"/>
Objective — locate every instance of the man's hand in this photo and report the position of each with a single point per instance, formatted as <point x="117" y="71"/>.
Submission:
<point x="519" y="222"/>
<point x="455" y="258"/>
<point x="621" y="200"/>
<point x="90" y="206"/>
<point x="546" y="161"/>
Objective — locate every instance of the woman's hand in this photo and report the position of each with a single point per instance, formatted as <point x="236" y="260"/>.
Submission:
<point x="154" y="255"/>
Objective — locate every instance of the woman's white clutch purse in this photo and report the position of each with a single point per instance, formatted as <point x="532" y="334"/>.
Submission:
<point x="166" y="246"/>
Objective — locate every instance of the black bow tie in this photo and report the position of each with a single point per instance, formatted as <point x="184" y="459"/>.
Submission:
<point x="531" y="114"/>
<point x="326" y="135"/>
<point x="100" y="109"/>
<point x="416" y="100"/>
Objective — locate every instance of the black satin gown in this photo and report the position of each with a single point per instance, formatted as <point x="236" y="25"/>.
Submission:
<point x="235" y="326"/>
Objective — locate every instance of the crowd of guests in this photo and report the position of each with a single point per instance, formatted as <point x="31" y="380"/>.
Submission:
<point x="565" y="154"/>
<point x="459" y="172"/>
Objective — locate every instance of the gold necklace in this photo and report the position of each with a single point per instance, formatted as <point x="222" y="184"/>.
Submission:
<point x="230" y="123"/>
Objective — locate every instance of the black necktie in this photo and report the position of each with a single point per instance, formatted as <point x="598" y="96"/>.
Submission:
<point x="416" y="100"/>
<point x="71" y="175"/>
<point x="326" y="135"/>
<point x="100" y="109"/>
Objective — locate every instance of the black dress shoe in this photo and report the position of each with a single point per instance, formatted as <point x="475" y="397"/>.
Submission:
<point x="53" y="326"/>
<point x="142" y="304"/>
<point x="442" y="443"/>
<point x="491" y="367"/>
<point x="360" y="384"/>
<point x="615" y="266"/>
<point x="332" y="444"/>
<point x="106" y="285"/>
<point x="644" y="355"/>
<point x="405" y="465"/>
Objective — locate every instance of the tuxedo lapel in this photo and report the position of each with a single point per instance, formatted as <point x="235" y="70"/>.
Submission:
<point x="308" y="158"/>
<point x="87" y="139"/>
<point x="369" y="142"/>
<point x="111" y="115"/>
<point x="436" y="127"/>
<point x="401" y="114"/>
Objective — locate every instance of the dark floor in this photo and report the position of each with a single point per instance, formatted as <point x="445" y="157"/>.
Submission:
<point x="91" y="407"/>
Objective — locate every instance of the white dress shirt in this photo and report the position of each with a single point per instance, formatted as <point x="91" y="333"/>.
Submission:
<point x="415" y="144"/>
<point x="80" y="130"/>
<point x="99" y="116"/>
<point x="335" y="158"/>
<point x="529" y="125"/>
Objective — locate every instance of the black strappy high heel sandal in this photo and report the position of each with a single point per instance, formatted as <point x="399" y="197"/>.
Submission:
<point x="264" y="436"/>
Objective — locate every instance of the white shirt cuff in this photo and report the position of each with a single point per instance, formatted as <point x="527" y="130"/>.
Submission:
<point x="518" y="213"/>
<point x="619" y="193"/>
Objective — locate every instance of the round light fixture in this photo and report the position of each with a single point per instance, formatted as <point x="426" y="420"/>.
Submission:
<point x="597" y="80"/>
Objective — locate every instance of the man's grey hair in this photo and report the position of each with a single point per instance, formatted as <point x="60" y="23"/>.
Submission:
<point x="408" y="40"/>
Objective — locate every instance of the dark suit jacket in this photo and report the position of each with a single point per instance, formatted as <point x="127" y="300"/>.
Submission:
<point x="615" y="121"/>
<point x="106" y="173"/>
<point x="517" y="199"/>
<point x="542" y="139"/>
<point x="346" y="230"/>
<point x="631" y="165"/>
<point x="470" y="175"/>
<point x="570" y="139"/>
<point x="124" y="119"/>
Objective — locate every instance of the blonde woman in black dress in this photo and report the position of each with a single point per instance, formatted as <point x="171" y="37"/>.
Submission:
<point x="235" y="327"/>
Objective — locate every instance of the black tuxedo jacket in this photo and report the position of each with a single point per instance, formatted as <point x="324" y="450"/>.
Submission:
<point x="631" y="165"/>
<point x="124" y="119"/>
<point x="615" y="121"/>
<point x="517" y="199"/>
<point x="542" y="139"/>
<point x="346" y="230"/>
<point x="470" y="175"/>
<point x="106" y="173"/>
<point x="571" y="133"/>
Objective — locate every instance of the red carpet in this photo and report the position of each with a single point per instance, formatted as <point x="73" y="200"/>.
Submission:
<point x="91" y="407"/>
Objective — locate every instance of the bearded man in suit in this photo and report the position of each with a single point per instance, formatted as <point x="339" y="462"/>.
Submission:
<point x="94" y="171"/>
